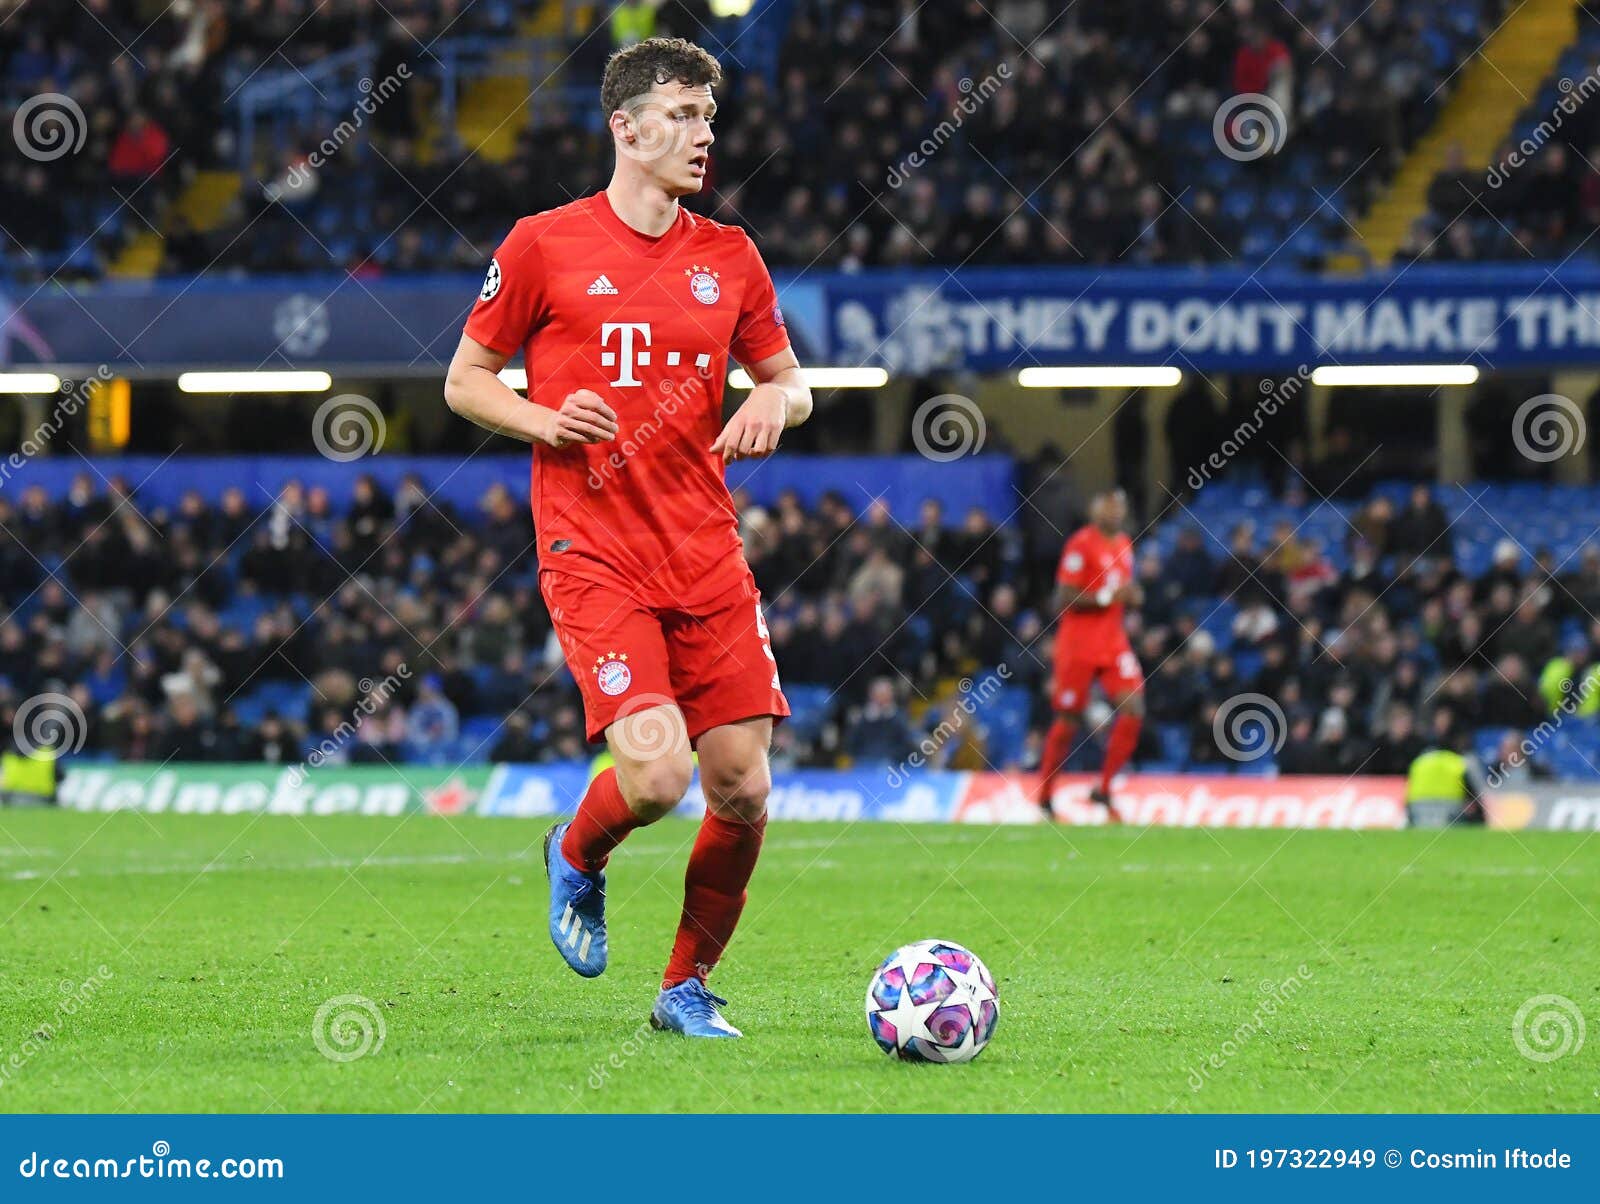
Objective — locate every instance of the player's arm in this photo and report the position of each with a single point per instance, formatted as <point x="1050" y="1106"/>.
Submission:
<point x="473" y="389"/>
<point x="1072" y="597"/>
<point x="781" y="399"/>
<point x="1072" y="591"/>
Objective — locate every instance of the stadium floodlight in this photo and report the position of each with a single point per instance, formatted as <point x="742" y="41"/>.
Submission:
<point x="824" y="378"/>
<point x="1100" y="378"/>
<point x="517" y="378"/>
<point x="1394" y="374"/>
<point x="29" y="382"/>
<point x="254" y="382"/>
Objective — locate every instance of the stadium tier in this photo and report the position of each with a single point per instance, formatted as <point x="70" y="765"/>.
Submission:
<point x="234" y="139"/>
<point x="1377" y="624"/>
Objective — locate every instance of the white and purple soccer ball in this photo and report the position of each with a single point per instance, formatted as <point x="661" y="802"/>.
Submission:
<point x="933" y="1001"/>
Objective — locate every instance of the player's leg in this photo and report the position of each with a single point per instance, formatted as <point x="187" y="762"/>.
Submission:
<point x="1069" y="694"/>
<point x="735" y="779"/>
<point x="1124" y="687"/>
<point x="651" y="769"/>
<point x="727" y="684"/>
<point x="617" y="653"/>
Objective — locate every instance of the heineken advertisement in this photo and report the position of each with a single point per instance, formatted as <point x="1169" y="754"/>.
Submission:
<point x="905" y="796"/>
<point x="928" y="796"/>
<point x="272" y="789"/>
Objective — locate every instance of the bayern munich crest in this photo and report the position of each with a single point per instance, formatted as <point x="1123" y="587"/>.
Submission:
<point x="612" y="673"/>
<point x="703" y="284"/>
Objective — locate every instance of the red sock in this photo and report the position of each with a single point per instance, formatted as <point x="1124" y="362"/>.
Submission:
<point x="1057" y="744"/>
<point x="1124" y="739"/>
<point x="720" y="866"/>
<point x="603" y="819"/>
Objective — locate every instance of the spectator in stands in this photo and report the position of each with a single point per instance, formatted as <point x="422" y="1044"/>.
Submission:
<point x="515" y="742"/>
<point x="433" y="722"/>
<point x="1398" y="744"/>
<point x="1420" y="529"/>
<point x="878" y="731"/>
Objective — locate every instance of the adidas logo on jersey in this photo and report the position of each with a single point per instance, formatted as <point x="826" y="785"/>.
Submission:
<point x="602" y="287"/>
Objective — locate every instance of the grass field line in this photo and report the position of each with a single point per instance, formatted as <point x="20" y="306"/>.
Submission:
<point x="252" y="866"/>
<point x="403" y="861"/>
<point x="321" y="864"/>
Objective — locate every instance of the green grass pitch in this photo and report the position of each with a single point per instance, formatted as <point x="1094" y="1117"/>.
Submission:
<point x="1139" y="970"/>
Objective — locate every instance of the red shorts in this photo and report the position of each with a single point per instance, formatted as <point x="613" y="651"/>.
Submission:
<point x="1118" y="675"/>
<point x="714" y="663"/>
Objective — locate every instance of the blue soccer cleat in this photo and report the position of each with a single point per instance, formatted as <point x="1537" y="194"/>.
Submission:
<point x="690" y="1009"/>
<point x="577" y="909"/>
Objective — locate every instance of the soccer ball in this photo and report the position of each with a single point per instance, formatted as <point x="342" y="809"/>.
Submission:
<point x="932" y="1002"/>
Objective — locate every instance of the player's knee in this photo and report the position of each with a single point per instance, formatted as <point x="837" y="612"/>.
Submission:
<point x="738" y="791"/>
<point x="653" y="788"/>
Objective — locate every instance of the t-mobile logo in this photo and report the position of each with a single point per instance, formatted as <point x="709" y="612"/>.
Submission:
<point x="628" y="357"/>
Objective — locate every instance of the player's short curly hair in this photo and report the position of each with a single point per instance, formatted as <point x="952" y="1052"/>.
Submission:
<point x="635" y="70"/>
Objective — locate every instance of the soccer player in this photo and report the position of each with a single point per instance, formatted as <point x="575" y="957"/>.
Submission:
<point x="1094" y="582"/>
<point x="626" y="308"/>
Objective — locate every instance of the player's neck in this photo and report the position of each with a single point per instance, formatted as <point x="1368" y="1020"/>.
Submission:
<point x="642" y="206"/>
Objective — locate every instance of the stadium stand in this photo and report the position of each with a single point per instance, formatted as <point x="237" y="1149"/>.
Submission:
<point x="1100" y="148"/>
<point x="223" y="627"/>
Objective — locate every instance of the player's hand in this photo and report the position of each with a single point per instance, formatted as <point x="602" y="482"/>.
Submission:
<point x="756" y="426"/>
<point x="582" y="418"/>
<point x="1131" y="593"/>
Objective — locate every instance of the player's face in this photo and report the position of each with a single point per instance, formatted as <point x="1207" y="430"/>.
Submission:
<point x="1111" y="510"/>
<point x="669" y="132"/>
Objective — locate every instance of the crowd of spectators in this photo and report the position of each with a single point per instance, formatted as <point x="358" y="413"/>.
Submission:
<point x="1039" y="135"/>
<point x="425" y="624"/>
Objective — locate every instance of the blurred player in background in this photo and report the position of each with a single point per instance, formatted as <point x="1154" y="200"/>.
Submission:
<point x="626" y="307"/>
<point x="1094" y="583"/>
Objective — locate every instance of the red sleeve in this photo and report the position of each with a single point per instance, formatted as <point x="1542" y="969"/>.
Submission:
<point x="511" y="304"/>
<point x="1073" y="567"/>
<point x="760" y="331"/>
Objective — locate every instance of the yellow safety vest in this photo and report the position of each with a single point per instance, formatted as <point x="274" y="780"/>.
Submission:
<point x="1437" y="776"/>
<point x="632" y="23"/>
<point x="34" y="775"/>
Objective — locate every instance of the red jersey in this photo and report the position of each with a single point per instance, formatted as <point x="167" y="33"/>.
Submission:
<point x="1094" y="561"/>
<point x="648" y="324"/>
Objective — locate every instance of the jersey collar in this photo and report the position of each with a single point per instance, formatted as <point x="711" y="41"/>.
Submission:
<point x="643" y="244"/>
